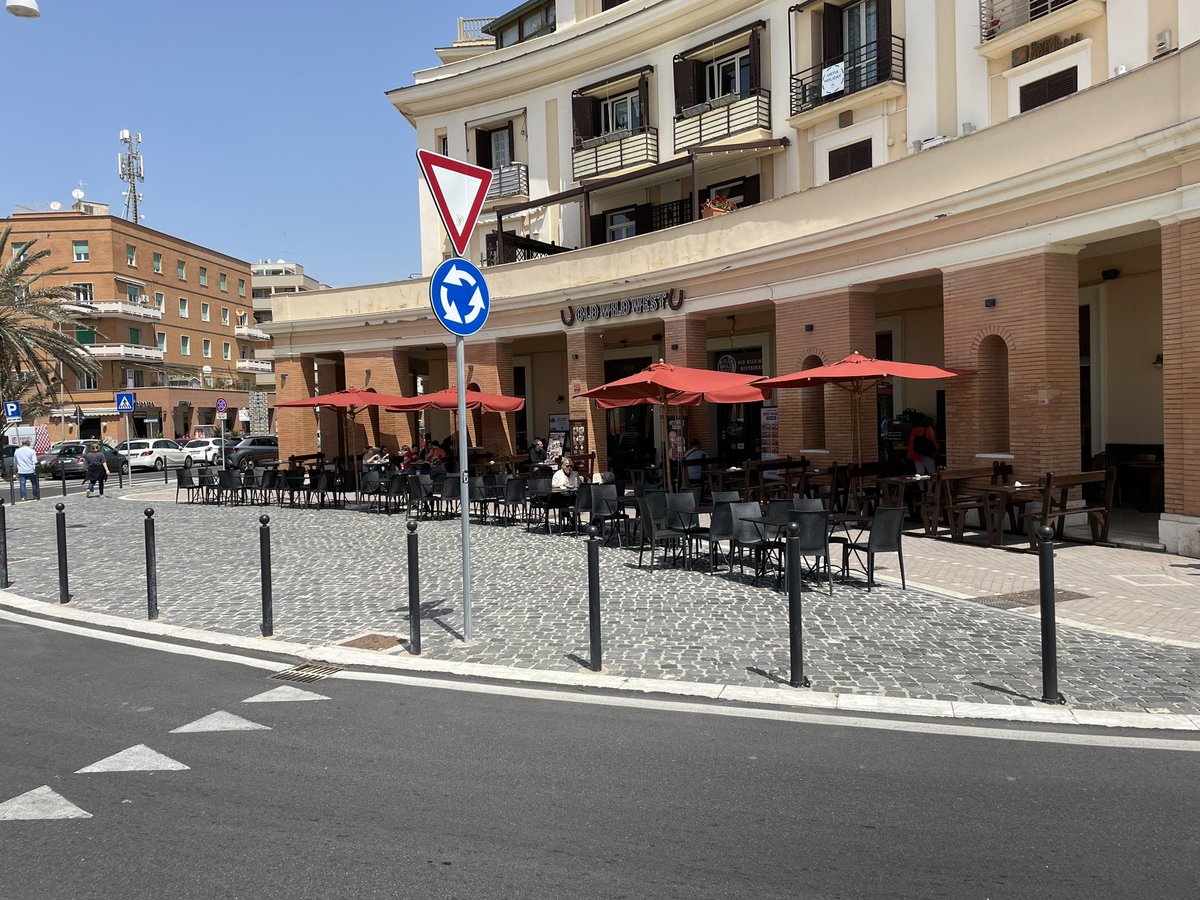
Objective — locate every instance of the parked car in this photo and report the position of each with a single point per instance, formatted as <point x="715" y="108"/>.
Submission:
<point x="207" y="450"/>
<point x="154" y="453"/>
<point x="69" y="460"/>
<point x="252" y="449"/>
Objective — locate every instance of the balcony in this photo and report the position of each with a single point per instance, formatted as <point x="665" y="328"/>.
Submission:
<point x="123" y="309"/>
<point x="516" y="248"/>
<point x="612" y="152"/>
<point x="722" y="117"/>
<point x="124" y="352"/>
<point x="1008" y="25"/>
<point x="251" y="333"/>
<point x="509" y="181"/>
<point x="255" y="365"/>
<point x="878" y="62"/>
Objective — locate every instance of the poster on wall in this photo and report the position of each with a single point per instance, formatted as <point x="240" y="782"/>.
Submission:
<point x="677" y="438"/>
<point x="560" y="422"/>
<point x="769" y="417"/>
<point x="554" y="445"/>
<point x="579" y="437"/>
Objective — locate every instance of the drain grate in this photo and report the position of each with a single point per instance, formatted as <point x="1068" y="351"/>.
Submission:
<point x="306" y="672"/>
<point x="1026" y="598"/>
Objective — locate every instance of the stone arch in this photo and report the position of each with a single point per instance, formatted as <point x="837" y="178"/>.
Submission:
<point x="812" y="406"/>
<point x="992" y="365"/>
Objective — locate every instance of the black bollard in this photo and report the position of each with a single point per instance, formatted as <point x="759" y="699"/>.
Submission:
<point x="414" y="592"/>
<point x="1050" y="693"/>
<point x="60" y="525"/>
<point x="593" y="564"/>
<point x="264" y="552"/>
<point x="165" y="467"/>
<point x="795" y="580"/>
<point x="151" y="569"/>
<point x="4" y="582"/>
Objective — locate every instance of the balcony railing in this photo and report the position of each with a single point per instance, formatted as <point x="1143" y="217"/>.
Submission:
<point x="250" y="333"/>
<point x="471" y="29"/>
<point x="999" y="16"/>
<point x="509" y="181"/>
<point x="719" y="118"/>
<point x="122" y="309"/>
<point x="517" y="248"/>
<point x="134" y="352"/>
<point x="255" y="365"/>
<point x="840" y="76"/>
<point x="611" y="152"/>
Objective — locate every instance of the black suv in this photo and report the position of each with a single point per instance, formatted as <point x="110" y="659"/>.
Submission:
<point x="252" y="449"/>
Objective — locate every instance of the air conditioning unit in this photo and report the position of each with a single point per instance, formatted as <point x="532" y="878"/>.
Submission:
<point x="1162" y="41"/>
<point x="929" y="142"/>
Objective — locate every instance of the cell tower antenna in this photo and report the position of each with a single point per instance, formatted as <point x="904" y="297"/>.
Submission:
<point x="131" y="170"/>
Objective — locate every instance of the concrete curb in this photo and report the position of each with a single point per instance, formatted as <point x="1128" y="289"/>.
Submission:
<point x="781" y="696"/>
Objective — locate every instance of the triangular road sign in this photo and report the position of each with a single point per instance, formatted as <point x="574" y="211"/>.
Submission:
<point x="459" y="190"/>
<point x="136" y="759"/>
<point x="40" y="804"/>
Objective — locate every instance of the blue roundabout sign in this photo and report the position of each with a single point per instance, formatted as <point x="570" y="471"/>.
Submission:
<point x="459" y="297"/>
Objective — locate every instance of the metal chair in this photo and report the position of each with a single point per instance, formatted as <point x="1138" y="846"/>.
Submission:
<point x="607" y="509"/>
<point x="185" y="483"/>
<point x="513" y="501"/>
<point x="653" y="535"/>
<point x="748" y="536"/>
<point x="887" y="531"/>
<point x="814" y="540"/>
<point x="720" y="528"/>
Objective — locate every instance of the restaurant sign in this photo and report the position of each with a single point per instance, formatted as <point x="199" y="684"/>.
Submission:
<point x="629" y="306"/>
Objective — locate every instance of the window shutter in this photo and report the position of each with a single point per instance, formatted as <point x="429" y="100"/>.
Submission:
<point x="751" y="192"/>
<point x="490" y="248"/>
<point x="832" y="22"/>
<point x="686" y="85"/>
<point x="755" y="61"/>
<point x="1052" y="87"/>
<point x="643" y="218"/>
<point x="839" y="163"/>
<point x="644" y="101"/>
<point x="483" y="148"/>
<point x="860" y="156"/>
<point x="599" y="233"/>
<point x="512" y="146"/>
<point x="581" y="114"/>
<point x="883" y="38"/>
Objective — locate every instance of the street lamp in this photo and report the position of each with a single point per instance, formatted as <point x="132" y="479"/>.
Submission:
<point x="25" y="9"/>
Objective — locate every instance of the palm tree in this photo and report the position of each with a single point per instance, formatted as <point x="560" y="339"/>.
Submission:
<point x="37" y="332"/>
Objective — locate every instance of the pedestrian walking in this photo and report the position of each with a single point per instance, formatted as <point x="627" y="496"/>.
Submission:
<point x="97" y="468"/>
<point x="26" y="461"/>
<point x="923" y="449"/>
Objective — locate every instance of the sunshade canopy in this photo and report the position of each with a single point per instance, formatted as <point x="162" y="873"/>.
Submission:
<point x="448" y="399"/>
<point x="855" y="367"/>
<point x="677" y="386"/>
<point x="351" y="398"/>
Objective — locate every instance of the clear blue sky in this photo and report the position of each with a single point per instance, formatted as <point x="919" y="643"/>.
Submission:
<point x="265" y="129"/>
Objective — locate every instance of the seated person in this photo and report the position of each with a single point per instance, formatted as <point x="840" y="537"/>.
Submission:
<point x="537" y="453"/>
<point x="695" y="458"/>
<point x="406" y="459"/>
<point x="566" y="478"/>
<point x="437" y="466"/>
<point x="436" y="451"/>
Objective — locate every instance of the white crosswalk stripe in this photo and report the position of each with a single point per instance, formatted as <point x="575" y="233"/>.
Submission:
<point x="40" y="804"/>
<point x="139" y="758"/>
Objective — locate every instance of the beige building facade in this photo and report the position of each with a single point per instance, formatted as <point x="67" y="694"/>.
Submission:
<point x="1008" y="188"/>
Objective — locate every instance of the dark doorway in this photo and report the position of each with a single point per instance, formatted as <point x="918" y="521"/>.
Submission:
<point x="739" y="425"/>
<point x="630" y="430"/>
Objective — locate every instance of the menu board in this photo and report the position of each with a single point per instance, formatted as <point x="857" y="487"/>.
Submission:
<point x="770" y="432"/>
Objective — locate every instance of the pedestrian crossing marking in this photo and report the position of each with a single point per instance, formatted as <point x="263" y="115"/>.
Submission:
<point x="40" y="804"/>
<point x="220" y="721"/>
<point x="284" y="695"/>
<point x="136" y="759"/>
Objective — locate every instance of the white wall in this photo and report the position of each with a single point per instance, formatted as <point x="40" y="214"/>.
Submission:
<point x="1129" y="33"/>
<point x="1189" y="22"/>
<point x="971" y="71"/>
<point x="920" y="68"/>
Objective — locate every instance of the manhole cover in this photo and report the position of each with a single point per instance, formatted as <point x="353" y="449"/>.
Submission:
<point x="307" y="672"/>
<point x="1026" y="598"/>
<point x="374" y="642"/>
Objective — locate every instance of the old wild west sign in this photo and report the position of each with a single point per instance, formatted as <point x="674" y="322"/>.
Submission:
<point x="659" y="301"/>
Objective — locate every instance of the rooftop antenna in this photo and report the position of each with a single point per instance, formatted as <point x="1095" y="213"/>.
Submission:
<point x="131" y="170"/>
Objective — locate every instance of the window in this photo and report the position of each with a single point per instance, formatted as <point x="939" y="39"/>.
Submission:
<point x="623" y="113"/>
<point x="183" y="308"/>
<point x="157" y="263"/>
<point x="224" y="315"/>
<point x="1052" y="87"/>
<point x="203" y="312"/>
<point x="241" y="318"/>
<point x="494" y="149"/>
<point x="701" y="80"/>
<point x="536" y="22"/>
<point x="85" y="382"/>
<point x="131" y="255"/>
<point x="18" y="249"/>
<point x="730" y="75"/>
<point x="185" y="345"/>
<point x="135" y="336"/>
<point x="620" y="224"/>
<point x="203" y="277"/>
<point x="161" y="340"/>
<point x="223" y="283"/>
<point x="180" y="270"/>
<point x="443" y="143"/>
<point x="206" y="348"/>
<point x="241" y="287"/>
<point x="134" y="378"/>
<point x="850" y="159"/>
<point x="83" y="293"/>
<point x="85" y="335"/>
<point x="132" y="293"/>
<point x="81" y="251"/>
<point x="742" y="191"/>
<point x="160" y="301"/>
<point x="226" y="350"/>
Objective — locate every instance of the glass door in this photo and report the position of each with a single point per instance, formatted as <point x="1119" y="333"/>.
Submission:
<point x="859" y="37"/>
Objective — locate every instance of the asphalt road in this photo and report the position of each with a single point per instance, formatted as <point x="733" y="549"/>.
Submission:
<point x="51" y="488"/>
<point x="387" y="790"/>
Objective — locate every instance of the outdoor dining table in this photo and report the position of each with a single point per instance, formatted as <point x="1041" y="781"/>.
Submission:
<point x="1000" y="500"/>
<point x="733" y="478"/>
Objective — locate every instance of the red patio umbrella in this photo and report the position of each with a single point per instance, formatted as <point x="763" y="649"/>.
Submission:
<point x="448" y="399"/>
<point x="856" y="374"/>
<point x="664" y="384"/>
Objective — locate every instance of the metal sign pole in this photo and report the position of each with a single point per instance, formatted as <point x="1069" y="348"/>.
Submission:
<point x="464" y="506"/>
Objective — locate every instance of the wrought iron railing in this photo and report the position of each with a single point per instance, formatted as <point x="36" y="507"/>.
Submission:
<point x="509" y="181"/>
<point x="615" y="153"/>
<point x="722" y="119"/>
<point x="517" y="248"/>
<point x="855" y="71"/>
<point x="999" y="16"/>
<point x="472" y="29"/>
<point x="671" y="213"/>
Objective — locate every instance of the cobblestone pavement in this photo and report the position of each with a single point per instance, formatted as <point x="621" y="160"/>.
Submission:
<point x="339" y="574"/>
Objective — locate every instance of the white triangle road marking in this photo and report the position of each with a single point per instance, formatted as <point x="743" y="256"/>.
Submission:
<point x="136" y="759"/>
<point x="284" y="695"/>
<point x="40" y="804"/>
<point x="220" y="721"/>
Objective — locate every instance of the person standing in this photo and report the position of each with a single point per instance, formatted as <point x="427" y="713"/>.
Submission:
<point x="923" y="448"/>
<point x="97" y="468"/>
<point x="26" y="462"/>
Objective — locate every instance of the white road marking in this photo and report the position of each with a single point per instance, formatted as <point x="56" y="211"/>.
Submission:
<point x="139" y="758"/>
<point x="220" y="721"/>
<point x="284" y="695"/>
<point x="40" y="804"/>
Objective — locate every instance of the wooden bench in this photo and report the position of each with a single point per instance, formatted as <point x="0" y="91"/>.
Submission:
<point x="1055" y="497"/>
<point x="952" y="498"/>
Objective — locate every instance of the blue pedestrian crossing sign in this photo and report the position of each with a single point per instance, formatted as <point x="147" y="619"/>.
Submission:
<point x="12" y="412"/>
<point x="125" y="402"/>
<point x="459" y="297"/>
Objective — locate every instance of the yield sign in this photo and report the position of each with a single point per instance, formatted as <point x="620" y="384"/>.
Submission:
<point x="459" y="190"/>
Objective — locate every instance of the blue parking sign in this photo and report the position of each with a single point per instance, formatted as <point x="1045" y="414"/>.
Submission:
<point x="12" y="411"/>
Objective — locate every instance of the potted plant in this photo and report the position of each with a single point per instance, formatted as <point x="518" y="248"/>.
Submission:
<point x="717" y="206"/>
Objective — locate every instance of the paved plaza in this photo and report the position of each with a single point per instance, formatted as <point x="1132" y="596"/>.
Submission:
<point x="341" y="574"/>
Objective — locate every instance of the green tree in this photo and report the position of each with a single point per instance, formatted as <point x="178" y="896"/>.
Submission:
<point x="37" y="332"/>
